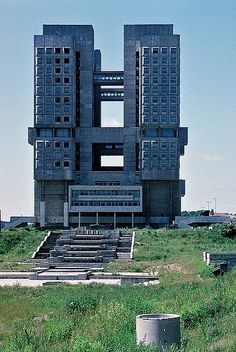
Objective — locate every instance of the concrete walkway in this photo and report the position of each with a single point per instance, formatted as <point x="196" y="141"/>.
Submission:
<point x="22" y="279"/>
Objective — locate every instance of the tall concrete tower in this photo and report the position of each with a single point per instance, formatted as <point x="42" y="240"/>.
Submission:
<point x="72" y="185"/>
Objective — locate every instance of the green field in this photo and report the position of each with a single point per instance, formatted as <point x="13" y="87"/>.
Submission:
<point x="98" y="318"/>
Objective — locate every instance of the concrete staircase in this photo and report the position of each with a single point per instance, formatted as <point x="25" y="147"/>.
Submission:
<point x="123" y="250"/>
<point x="84" y="247"/>
<point x="48" y="243"/>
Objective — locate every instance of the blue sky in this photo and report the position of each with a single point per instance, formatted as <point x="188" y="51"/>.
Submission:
<point x="208" y="78"/>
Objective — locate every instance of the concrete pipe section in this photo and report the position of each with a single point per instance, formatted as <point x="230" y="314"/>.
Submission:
<point x="162" y="330"/>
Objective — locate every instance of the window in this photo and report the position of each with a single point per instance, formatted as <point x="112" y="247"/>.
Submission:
<point x="164" y="100"/>
<point x="48" y="118"/>
<point x="164" y="70"/>
<point x="164" y="51"/>
<point x="57" y="90"/>
<point x="146" y="51"/>
<point x="66" y="163"/>
<point x="173" y="99"/>
<point x="57" y="70"/>
<point x="57" y="144"/>
<point x="45" y="132"/>
<point x="173" y="119"/>
<point x="173" y="108"/>
<point x="173" y="70"/>
<point x="39" y="61"/>
<point x="146" y="100"/>
<point x="57" y="119"/>
<point x="173" y="90"/>
<point x="66" y="70"/>
<point x="155" y="80"/>
<point x="146" y="109"/>
<point x="155" y="50"/>
<point x="155" y="61"/>
<point x="39" y="118"/>
<point x="66" y="60"/>
<point x="146" y="61"/>
<point x="39" y="90"/>
<point x="146" y="80"/>
<point x="155" y="119"/>
<point x="39" y="71"/>
<point x="40" y="51"/>
<point x="146" y="119"/>
<point x="66" y="90"/>
<point x="62" y="132"/>
<point x="66" y="144"/>
<point x="173" y="51"/>
<point x="164" y="80"/>
<point x="57" y="80"/>
<point x="146" y="70"/>
<point x="57" y="50"/>
<point x="150" y="132"/>
<point x="66" y="50"/>
<point x="57" y="163"/>
<point x="146" y="90"/>
<point x="48" y="109"/>
<point x="48" y="60"/>
<point x="168" y="132"/>
<point x="48" y="70"/>
<point x="57" y="61"/>
<point x="164" y="109"/>
<point x="57" y="109"/>
<point x="48" y="100"/>
<point x="155" y="70"/>
<point x="57" y="100"/>
<point x="164" y="90"/>
<point x="66" y="119"/>
<point x="48" y="144"/>
<point x="155" y="109"/>
<point x="48" y="51"/>
<point x="173" y="61"/>
<point x="48" y="80"/>
<point x="154" y="90"/>
<point x="164" y="61"/>
<point x="66" y="100"/>
<point x="173" y="80"/>
<point x="66" y="80"/>
<point x="155" y="99"/>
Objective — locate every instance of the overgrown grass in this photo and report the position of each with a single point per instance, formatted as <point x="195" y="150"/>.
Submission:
<point x="101" y="318"/>
<point x="18" y="245"/>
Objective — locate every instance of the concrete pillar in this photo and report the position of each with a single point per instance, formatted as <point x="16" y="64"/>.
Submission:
<point x="79" y="220"/>
<point x="132" y="223"/>
<point x="66" y="214"/>
<point x="42" y="220"/>
<point x="114" y="220"/>
<point x="96" y="218"/>
<point x="162" y="330"/>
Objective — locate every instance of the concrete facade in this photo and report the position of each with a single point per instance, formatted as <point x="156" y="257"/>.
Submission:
<point x="68" y="139"/>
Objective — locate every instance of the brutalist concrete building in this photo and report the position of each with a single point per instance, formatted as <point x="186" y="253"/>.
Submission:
<point x="72" y="184"/>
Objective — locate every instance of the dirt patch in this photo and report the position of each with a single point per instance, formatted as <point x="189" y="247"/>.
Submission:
<point x="174" y="267"/>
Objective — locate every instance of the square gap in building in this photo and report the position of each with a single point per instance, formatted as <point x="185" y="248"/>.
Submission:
<point x="112" y="114"/>
<point x="112" y="161"/>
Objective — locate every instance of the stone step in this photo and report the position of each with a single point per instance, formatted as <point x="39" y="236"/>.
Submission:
<point x="41" y="255"/>
<point x="83" y="259"/>
<point x="62" y="252"/>
<point x="87" y="242"/>
<point x="58" y="276"/>
<point x="124" y="249"/>
<point x="87" y="247"/>
<point x="95" y="266"/>
<point x="86" y="237"/>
